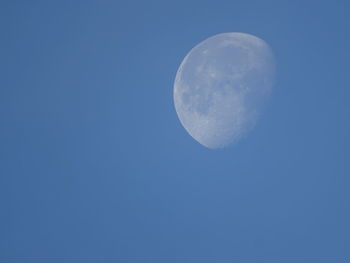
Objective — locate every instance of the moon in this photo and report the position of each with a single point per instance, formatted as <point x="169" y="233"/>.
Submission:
<point x="222" y="86"/>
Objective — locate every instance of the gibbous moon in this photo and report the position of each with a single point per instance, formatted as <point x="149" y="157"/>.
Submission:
<point x="221" y="87"/>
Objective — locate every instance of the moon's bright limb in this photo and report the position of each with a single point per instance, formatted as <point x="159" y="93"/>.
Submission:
<point x="221" y="87"/>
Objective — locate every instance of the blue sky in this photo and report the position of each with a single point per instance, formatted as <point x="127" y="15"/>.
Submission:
<point x="96" y="167"/>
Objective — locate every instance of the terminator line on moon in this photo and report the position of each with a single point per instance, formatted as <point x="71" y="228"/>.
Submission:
<point x="221" y="87"/>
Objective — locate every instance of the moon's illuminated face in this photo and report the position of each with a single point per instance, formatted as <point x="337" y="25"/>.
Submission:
<point x="221" y="86"/>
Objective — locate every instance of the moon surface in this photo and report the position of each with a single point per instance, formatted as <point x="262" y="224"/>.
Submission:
<point x="222" y="86"/>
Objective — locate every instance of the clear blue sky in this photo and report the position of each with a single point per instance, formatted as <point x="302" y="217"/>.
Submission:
<point x="96" y="167"/>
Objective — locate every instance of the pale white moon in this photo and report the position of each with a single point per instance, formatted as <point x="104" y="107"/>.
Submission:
<point x="221" y="87"/>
